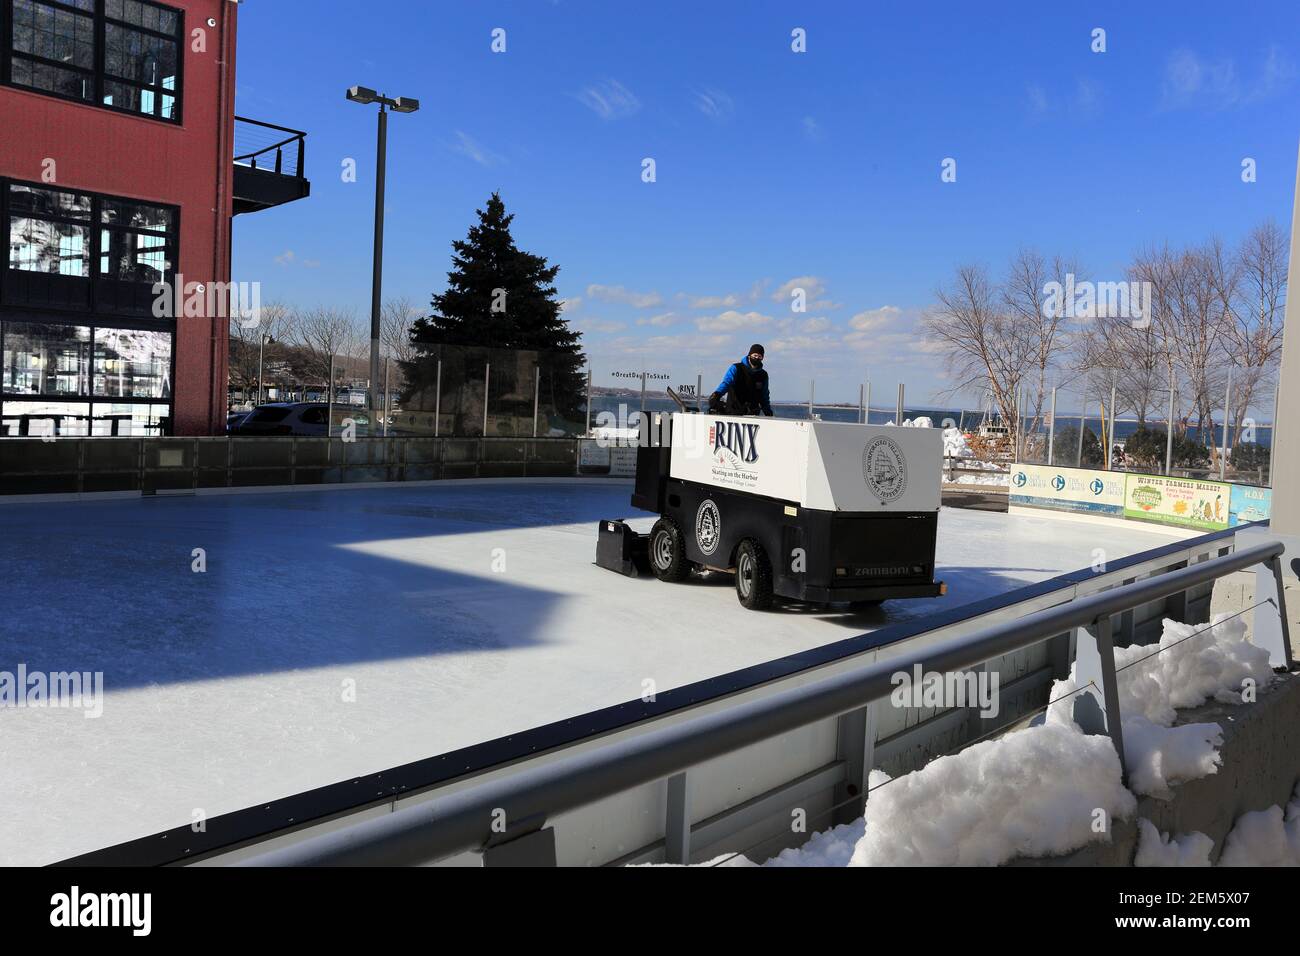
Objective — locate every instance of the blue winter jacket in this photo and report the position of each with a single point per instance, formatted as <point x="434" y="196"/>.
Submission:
<point x="759" y="377"/>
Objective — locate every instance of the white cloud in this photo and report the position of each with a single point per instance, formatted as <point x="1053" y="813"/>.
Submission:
<point x="817" y="344"/>
<point x="661" y="320"/>
<point x="731" y="321"/>
<point x="571" y="304"/>
<point x="729" y="301"/>
<point x="732" y="300"/>
<point x="876" y="318"/>
<point x="714" y="104"/>
<point x="812" y="129"/>
<point x="1191" y="80"/>
<point x="814" y="290"/>
<point x="289" y="258"/>
<point x="467" y="146"/>
<point x="1086" y="96"/>
<point x="617" y="293"/>
<point x="1276" y="74"/>
<point x="609" y="100"/>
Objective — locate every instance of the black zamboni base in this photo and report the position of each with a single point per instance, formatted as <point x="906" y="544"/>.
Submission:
<point x="818" y="557"/>
<point x="619" y="548"/>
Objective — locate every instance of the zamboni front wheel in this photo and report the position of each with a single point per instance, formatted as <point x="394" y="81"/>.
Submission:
<point x="668" y="552"/>
<point x="753" y="576"/>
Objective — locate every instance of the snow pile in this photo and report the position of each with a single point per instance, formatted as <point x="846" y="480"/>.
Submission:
<point x="1159" y="757"/>
<point x="1158" y="849"/>
<point x="1181" y="671"/>
<point x="832" y="847"/>
<point x="1265" y="837"/>
<point x="1038" y="791"/>
<point x="955" y="444"/>
<point x="1032" y="792"/>
<point x="919" y="422"/>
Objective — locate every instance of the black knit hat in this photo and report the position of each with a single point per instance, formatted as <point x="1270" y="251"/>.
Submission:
<point x="756" y="348"/>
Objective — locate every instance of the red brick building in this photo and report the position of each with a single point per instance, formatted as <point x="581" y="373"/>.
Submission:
<point x="118" y="174"/>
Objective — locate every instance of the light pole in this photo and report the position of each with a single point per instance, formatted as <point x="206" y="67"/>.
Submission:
<point x="262" y="342"/>
<point x="403" y="104"/>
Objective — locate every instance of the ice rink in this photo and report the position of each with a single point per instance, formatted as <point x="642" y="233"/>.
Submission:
<point x="341" y="632"/>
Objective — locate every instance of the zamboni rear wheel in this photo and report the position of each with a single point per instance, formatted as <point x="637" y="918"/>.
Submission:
<point x="753" y="576"/>
<point x="668" y="552"/>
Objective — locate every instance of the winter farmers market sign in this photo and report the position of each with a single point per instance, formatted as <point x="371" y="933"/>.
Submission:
<point x="1180" y="502"/>
<point x="1185" y="502"/>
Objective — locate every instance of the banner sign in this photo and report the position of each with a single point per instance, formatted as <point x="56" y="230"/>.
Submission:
<point x="1068" y="489"/>
<point x="593" y="455"/>
<point x="1184" y="502"/>
<point x="622" y="462"/>
<point x="1250" y="504"/>
<point x="607" y="457"/>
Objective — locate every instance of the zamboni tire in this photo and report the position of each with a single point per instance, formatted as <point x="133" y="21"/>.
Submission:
<point x="668" y="552"/>
<point x="753" y="576"/>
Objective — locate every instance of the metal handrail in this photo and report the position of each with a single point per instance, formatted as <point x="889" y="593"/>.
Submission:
<point x="462" y="821"/>
<point x="296" y="136"/>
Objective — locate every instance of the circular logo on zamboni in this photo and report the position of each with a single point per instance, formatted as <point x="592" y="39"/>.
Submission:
<point x="885" y="469"/>
<point x="708" y="526"/>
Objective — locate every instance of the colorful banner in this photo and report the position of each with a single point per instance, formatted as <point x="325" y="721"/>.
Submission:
<point x="1250" y="504"/>
<point x="1068" y="489"/>
<point x="1184" y="502"/>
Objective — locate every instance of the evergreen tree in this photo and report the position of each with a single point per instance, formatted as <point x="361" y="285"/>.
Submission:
<point x="498" y="297"/>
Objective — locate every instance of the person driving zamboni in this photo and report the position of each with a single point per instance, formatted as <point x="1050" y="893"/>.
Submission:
<point x="743" y="390"/>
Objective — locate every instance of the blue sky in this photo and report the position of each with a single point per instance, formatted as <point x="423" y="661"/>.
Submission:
<point x="771" y="166"/>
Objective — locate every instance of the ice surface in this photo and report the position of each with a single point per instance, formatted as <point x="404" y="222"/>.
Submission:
<point x="343" y="632"/>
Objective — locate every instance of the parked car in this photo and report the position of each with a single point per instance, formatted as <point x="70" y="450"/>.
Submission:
<point x="234" y="418"/>
<point x="299" y="418"/>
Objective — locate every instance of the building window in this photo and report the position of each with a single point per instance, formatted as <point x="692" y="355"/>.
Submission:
<point x="121" y="54"/>
<point x="45" y="420"/>
<point x="41" y="359"/>
<point x="80" y="252"/>
<point x="49" y="231"/>
<point x="84" y="380"/>
<point x="133" y="363"/>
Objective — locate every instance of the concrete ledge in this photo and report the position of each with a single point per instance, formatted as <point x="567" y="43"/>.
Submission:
<point x="1261" y="763"/>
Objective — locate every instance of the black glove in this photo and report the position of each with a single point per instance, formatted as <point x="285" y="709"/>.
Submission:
<point x="715" y="403"/>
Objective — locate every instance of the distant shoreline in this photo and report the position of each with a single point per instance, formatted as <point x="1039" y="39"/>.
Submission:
<point x="655" y="396"/>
